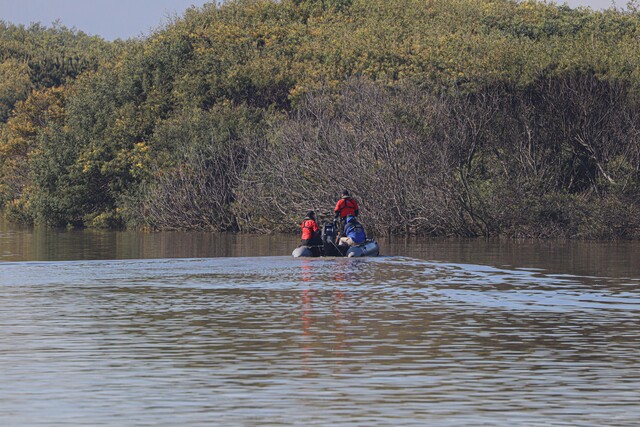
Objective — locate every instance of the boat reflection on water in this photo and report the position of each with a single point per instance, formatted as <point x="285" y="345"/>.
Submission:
<point x="325" y="309"/>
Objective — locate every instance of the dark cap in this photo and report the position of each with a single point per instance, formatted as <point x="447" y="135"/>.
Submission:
<point x="311" y="214"/>
<point x="345" y="192"/>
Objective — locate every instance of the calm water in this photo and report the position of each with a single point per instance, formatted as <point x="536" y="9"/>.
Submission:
<point x="134" y="329"/>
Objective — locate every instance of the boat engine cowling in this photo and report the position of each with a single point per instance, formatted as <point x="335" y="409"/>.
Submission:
<point x="329" y="244"/>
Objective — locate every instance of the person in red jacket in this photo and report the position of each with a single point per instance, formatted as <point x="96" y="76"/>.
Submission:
<point x="346" y="206"/>
<point x="310" y="230"/>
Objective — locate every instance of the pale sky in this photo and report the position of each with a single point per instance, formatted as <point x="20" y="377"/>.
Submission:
<point x="112" y="19"/>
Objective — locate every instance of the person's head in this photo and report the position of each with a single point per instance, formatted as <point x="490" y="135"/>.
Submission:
<point x="311" y="215"/>
<point x="345" y="193"/>
<point x="350" y="218"/>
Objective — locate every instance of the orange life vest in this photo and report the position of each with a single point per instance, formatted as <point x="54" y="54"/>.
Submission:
<point x="309" y="229"/>
<point x="346" y="206"/>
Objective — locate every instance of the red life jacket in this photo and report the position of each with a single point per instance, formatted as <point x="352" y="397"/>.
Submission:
<point x="309" y="229"/>
<point x="346" y="206"/>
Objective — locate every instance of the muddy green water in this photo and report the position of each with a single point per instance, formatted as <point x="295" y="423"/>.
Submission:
<point x="189" y="329"/>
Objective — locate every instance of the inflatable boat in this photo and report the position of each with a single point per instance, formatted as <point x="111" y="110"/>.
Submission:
<point x="330" y="248"/>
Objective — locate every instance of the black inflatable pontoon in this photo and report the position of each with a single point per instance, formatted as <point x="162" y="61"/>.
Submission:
<point x="330" y="247"/>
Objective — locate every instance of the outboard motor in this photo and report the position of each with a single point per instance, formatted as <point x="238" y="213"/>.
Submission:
<point x="329" y="244"/>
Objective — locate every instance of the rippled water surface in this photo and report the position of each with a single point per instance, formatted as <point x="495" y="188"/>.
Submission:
<point x="276" y="341"/>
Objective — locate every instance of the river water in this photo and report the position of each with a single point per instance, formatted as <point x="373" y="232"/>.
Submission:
<point x="189" y="329"/>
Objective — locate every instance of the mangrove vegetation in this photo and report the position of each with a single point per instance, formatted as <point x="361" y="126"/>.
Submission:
<point x="442" y="117"/>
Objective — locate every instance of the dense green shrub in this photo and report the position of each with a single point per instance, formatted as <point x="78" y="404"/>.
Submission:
<point x="456" y="117"/>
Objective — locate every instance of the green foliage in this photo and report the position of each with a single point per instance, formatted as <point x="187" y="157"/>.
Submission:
<point x="54" y="198"/>
<point x="202" y="156"/>
<point x="53" y="55"/>
<point x="512" y="101"/>
<point x="15" y="85"/>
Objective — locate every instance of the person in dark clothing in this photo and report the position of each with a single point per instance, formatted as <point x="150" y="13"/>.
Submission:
<point x="346" y="206"/>
<point x="310" y="230"/>
<point x="354" y="233"/>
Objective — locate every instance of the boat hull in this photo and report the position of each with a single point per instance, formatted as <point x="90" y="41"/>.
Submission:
<point x="302" y="251"/>
<point x="368" y="248"/>
<point x="329" y="247"/>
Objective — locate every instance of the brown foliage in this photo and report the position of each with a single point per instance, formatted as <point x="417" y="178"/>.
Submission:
<point x="502" y="161"/>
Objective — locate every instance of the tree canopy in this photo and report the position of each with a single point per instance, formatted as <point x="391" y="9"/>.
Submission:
<point x="444" y="117"/>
